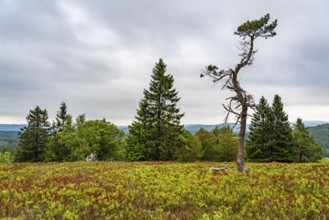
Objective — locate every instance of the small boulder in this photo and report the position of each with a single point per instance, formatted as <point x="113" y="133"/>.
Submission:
<point x="92" y="157"/>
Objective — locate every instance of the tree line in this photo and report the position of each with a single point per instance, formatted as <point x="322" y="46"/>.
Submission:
<point x="157" y="134"/>
<point x="65" y="139"/>
<point x="271" y="137"/>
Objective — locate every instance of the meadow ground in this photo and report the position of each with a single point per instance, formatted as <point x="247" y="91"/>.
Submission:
<point x="159" y="190"/>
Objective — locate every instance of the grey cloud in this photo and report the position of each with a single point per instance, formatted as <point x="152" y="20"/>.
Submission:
<point x="98" y="55"/>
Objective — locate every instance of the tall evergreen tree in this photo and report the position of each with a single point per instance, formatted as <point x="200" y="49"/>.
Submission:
<point x="56" y="150"/>
<point x="139" y="132"/>
<point x="270" y="137"/>
<point x="33" y="137"/>
<point x="306" y="147"/>
<point x="61" y="117"/>
<point x="154" y="135"/>
<point x="282" y="145"/>
<point x="258" y="145"/>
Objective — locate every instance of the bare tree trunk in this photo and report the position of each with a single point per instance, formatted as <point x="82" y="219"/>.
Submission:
<point x="242" y="133"/>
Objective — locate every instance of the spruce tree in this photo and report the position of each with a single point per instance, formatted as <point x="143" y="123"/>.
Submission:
<point x="56" y="149"/>
<point x="33" y="137"/>
<point x="307" y="150"/>
<point x="139" y="133"/>
<point x="61" y="117"/>
<point x="154" y="135"/>
<point x="282" y="144"/>
<point x="270" y="137"/>
<point x="258" y="145"/>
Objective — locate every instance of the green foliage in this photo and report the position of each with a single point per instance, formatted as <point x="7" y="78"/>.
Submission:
<point x="209" y="143"/>
<point x="324" y="160"/>
<point x="33" y="137"/>
<point x="117" y="190"/>
<point x="308" y="150"/>
<point x="260" y="136"/>
<point x="5" y="157"/>
<point x="190" y="147"/>
<point x="84" y="137"/>
<point x="270" y="137"/>
<point x="59" y="147"/>
<point x="56" y="148"/>
<point x="227" y="145"/>
<point x="62" y="117"/>
<point x="100" y="136"/>
<point x="282" y="148"/>
<point x="154" y="135"/>
<point x="8" y="144"/>
<point x="221" y="144"/>
<point x="139" y="132"/>
<point x="257" y="28"/>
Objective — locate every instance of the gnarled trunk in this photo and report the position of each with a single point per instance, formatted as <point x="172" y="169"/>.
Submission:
<point x="242" y="134"/>
<point x="250" y="30"/>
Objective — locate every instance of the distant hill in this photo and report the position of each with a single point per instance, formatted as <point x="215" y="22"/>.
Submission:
<point x="313" y="123"/>
<point x="193" y="128"/>
<point x="11" y="127"/>
<point x="123" y="128"/>
<point x="8" y="134"/>
<point x="321" y="135"/>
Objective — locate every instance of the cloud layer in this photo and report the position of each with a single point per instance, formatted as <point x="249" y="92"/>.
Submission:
<point x="97" y="56"/>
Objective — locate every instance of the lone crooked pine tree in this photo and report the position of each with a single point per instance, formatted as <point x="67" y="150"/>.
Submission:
<point x="241" y="101"/>
<point x="154" y="135"/>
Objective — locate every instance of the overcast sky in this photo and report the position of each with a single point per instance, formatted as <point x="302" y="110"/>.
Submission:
<point x="97" y="56"/>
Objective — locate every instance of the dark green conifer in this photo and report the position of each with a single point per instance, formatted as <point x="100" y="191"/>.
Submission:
<point x="56" y="150"/>
<point x="33" y="137"/>
<point x="258" y="145"/>
<point x="270" y="137"/>
<point x="62" y="117"/>
<point x="307" y="150"/>
<point x="282" y="144"/>
<point x="139" y="132"/>
<point x="154" y="135"/>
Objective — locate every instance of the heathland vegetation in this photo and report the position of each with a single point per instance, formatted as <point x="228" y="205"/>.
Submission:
<point x="163" y="190"/>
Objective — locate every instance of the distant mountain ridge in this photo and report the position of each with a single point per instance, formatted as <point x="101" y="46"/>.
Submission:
<point x="193" y="128"/>
<point x="321" y="135"/>
<point x="11" y="127"/>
